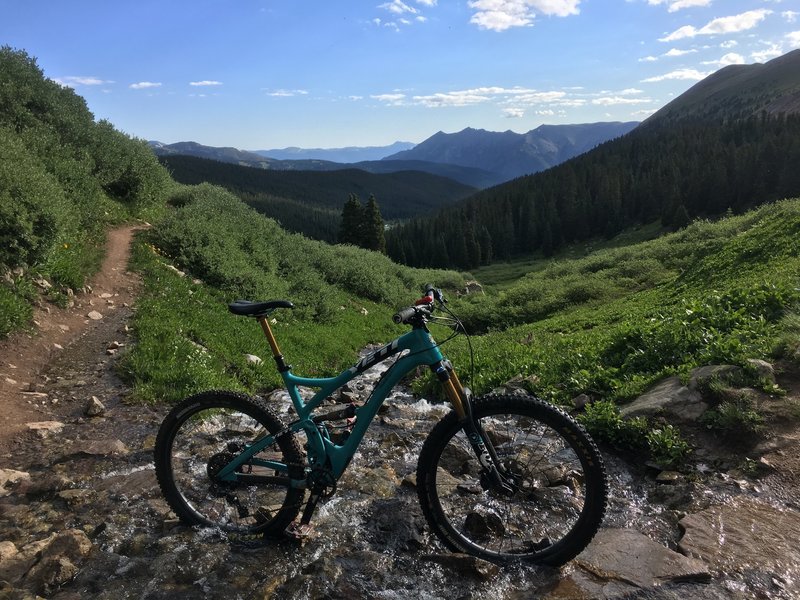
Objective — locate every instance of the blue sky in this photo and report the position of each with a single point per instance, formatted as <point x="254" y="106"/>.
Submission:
<point x="258" y="74"/>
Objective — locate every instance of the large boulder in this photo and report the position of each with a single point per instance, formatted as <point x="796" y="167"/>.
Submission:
<point x="669" y="399"/>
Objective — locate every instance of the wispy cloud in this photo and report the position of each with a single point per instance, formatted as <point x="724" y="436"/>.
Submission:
<point x="286" y="93"/>
<point x="733" y="24"/>
<point x="204" y="83"/>
<point x="672" y="53"/>
<point x="685" y="74"/>
<point x="619" y="100"/>
<point x="76" y="81"/>
<point x="402" y="14"/>
<point x="676" y="5"/>
<point x="790" y="16"/>
<point x="144" y="85"/>
<point x="794" y="39"/>
<point x="499" y="15"/>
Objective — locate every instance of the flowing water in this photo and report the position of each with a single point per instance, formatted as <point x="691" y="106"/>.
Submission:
<point x="370" y="539"/>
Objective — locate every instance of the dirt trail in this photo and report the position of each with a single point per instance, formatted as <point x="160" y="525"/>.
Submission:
<point x="25" y="355"/>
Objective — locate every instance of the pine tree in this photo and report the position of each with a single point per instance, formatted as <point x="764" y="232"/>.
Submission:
<point x="350" y="231"/>
<point x="373" y="237"/>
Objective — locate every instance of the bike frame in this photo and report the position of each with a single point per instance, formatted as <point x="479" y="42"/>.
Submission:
<point x="322" y="452"/>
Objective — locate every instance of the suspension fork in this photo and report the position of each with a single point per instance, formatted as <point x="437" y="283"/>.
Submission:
<point x="482" y="446"/>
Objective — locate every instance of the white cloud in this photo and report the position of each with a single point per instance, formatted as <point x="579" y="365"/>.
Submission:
<point x="644" y="112"/>
<point x="204" y="83"/>
<point x="733" y="24"/>
<point x="794" y="39"/>
<point x="764" y="55"/>
<point x="75" y="81"/>
<point x="687" y="74"/>
<point x="391" y="99"/>
<point x="630" y="91"/>
<point x="726" y="45"/>
<point x="790" y="15"/>
<point x="514" y="113"/>
<point x="648" y="59"/>
<point x="428" y="3"/>
<point x="617" y="100"/>
<point x="499" y="15"/>
<point x="676" y="5"/>
<point x="729" y="59"/>
<point x="398" y="7"/>
<point x="143" y="85"/>
<point x="676" y="52"/>
<point x="287" y="93"/>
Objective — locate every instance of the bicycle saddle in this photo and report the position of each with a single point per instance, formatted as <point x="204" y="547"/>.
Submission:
<point x="246" y="308"/>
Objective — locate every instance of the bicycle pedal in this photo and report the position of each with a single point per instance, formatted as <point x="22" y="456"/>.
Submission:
<point x="300" y="531"/>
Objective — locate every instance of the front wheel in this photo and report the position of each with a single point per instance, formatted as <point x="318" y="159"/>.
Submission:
<point x="199" y="437"/>
<point x="553" y="495"/>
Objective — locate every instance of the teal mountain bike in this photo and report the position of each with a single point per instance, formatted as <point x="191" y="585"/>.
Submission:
<point x="505" y="477"/>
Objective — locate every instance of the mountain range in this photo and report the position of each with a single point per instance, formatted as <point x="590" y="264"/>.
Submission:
<point x="349" y="154"/>
<point x="472" y="157"/>
<point x="510" y="154"/>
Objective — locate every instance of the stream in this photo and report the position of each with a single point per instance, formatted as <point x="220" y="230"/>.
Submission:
<point x="81" y="516"/>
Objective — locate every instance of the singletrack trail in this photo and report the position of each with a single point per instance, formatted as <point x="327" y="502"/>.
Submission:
<point x="24" y="355"/>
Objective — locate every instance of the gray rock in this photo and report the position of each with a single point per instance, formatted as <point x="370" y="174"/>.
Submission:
<point x="94" y="408"/>
<point x="631" y="557"/>
<point x="763" y="369"/>
<point x="252" y="359"/>
<point x="670" y="399"/>
<point x="465" y="564"/>
<point x="701" y="376"/>
<point x="94" y="315"/>
<point x="45" y="428"/>
<point x="9" y="477"/>
<point x="743" y="535"/>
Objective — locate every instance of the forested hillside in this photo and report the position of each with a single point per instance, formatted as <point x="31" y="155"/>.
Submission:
<point x="688" y="170"/>
<point x="310" y="202"/>
<point x="702" y="162"/>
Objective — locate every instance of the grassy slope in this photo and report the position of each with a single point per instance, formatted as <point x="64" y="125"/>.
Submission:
<point x="616" y="321"/>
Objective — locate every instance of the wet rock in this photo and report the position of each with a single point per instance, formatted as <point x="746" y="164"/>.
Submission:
<point x="465" y="564"/>
<point x="745" y="534"/>
<point x="7" y="550"/>
<point x="57" y="562"/>
<point x="668" y="477"/>
<point x="101" y="448"/>
<point x="670" y="399"/>
<point x="45" y="485"/>
<point x="45" y="428"/>
<point x="94" y="408"/>
<point x="631" y="557"/>
<point x="9" y="477"/>
<point x="14" y="568"/>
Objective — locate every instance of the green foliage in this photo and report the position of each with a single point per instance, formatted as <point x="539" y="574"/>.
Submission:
<point x="666" y="446"/>
<point x="187" y="341"/>
<point x="735" y="416"/>
<point x="663" y="443"/>
<point x="14" y="311"/>
<point x="63" y="178"/>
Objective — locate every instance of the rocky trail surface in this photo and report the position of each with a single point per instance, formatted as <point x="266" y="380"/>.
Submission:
<point x="81" y="515"/>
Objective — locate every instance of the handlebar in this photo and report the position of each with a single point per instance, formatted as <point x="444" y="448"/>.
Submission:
<point x="422" y="307"/>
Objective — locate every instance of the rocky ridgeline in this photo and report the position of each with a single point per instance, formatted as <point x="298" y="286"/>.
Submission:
<point x="81" y="515"/>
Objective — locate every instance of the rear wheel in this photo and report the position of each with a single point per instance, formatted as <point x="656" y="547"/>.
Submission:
<point x="198" y="438"/>
<point x="554" y="486"/>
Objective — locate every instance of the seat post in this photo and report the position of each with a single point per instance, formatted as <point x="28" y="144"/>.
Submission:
<point x="276" y="351"/>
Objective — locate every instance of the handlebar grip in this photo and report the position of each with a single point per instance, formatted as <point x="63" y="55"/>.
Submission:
<point x="403" y="315"/>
